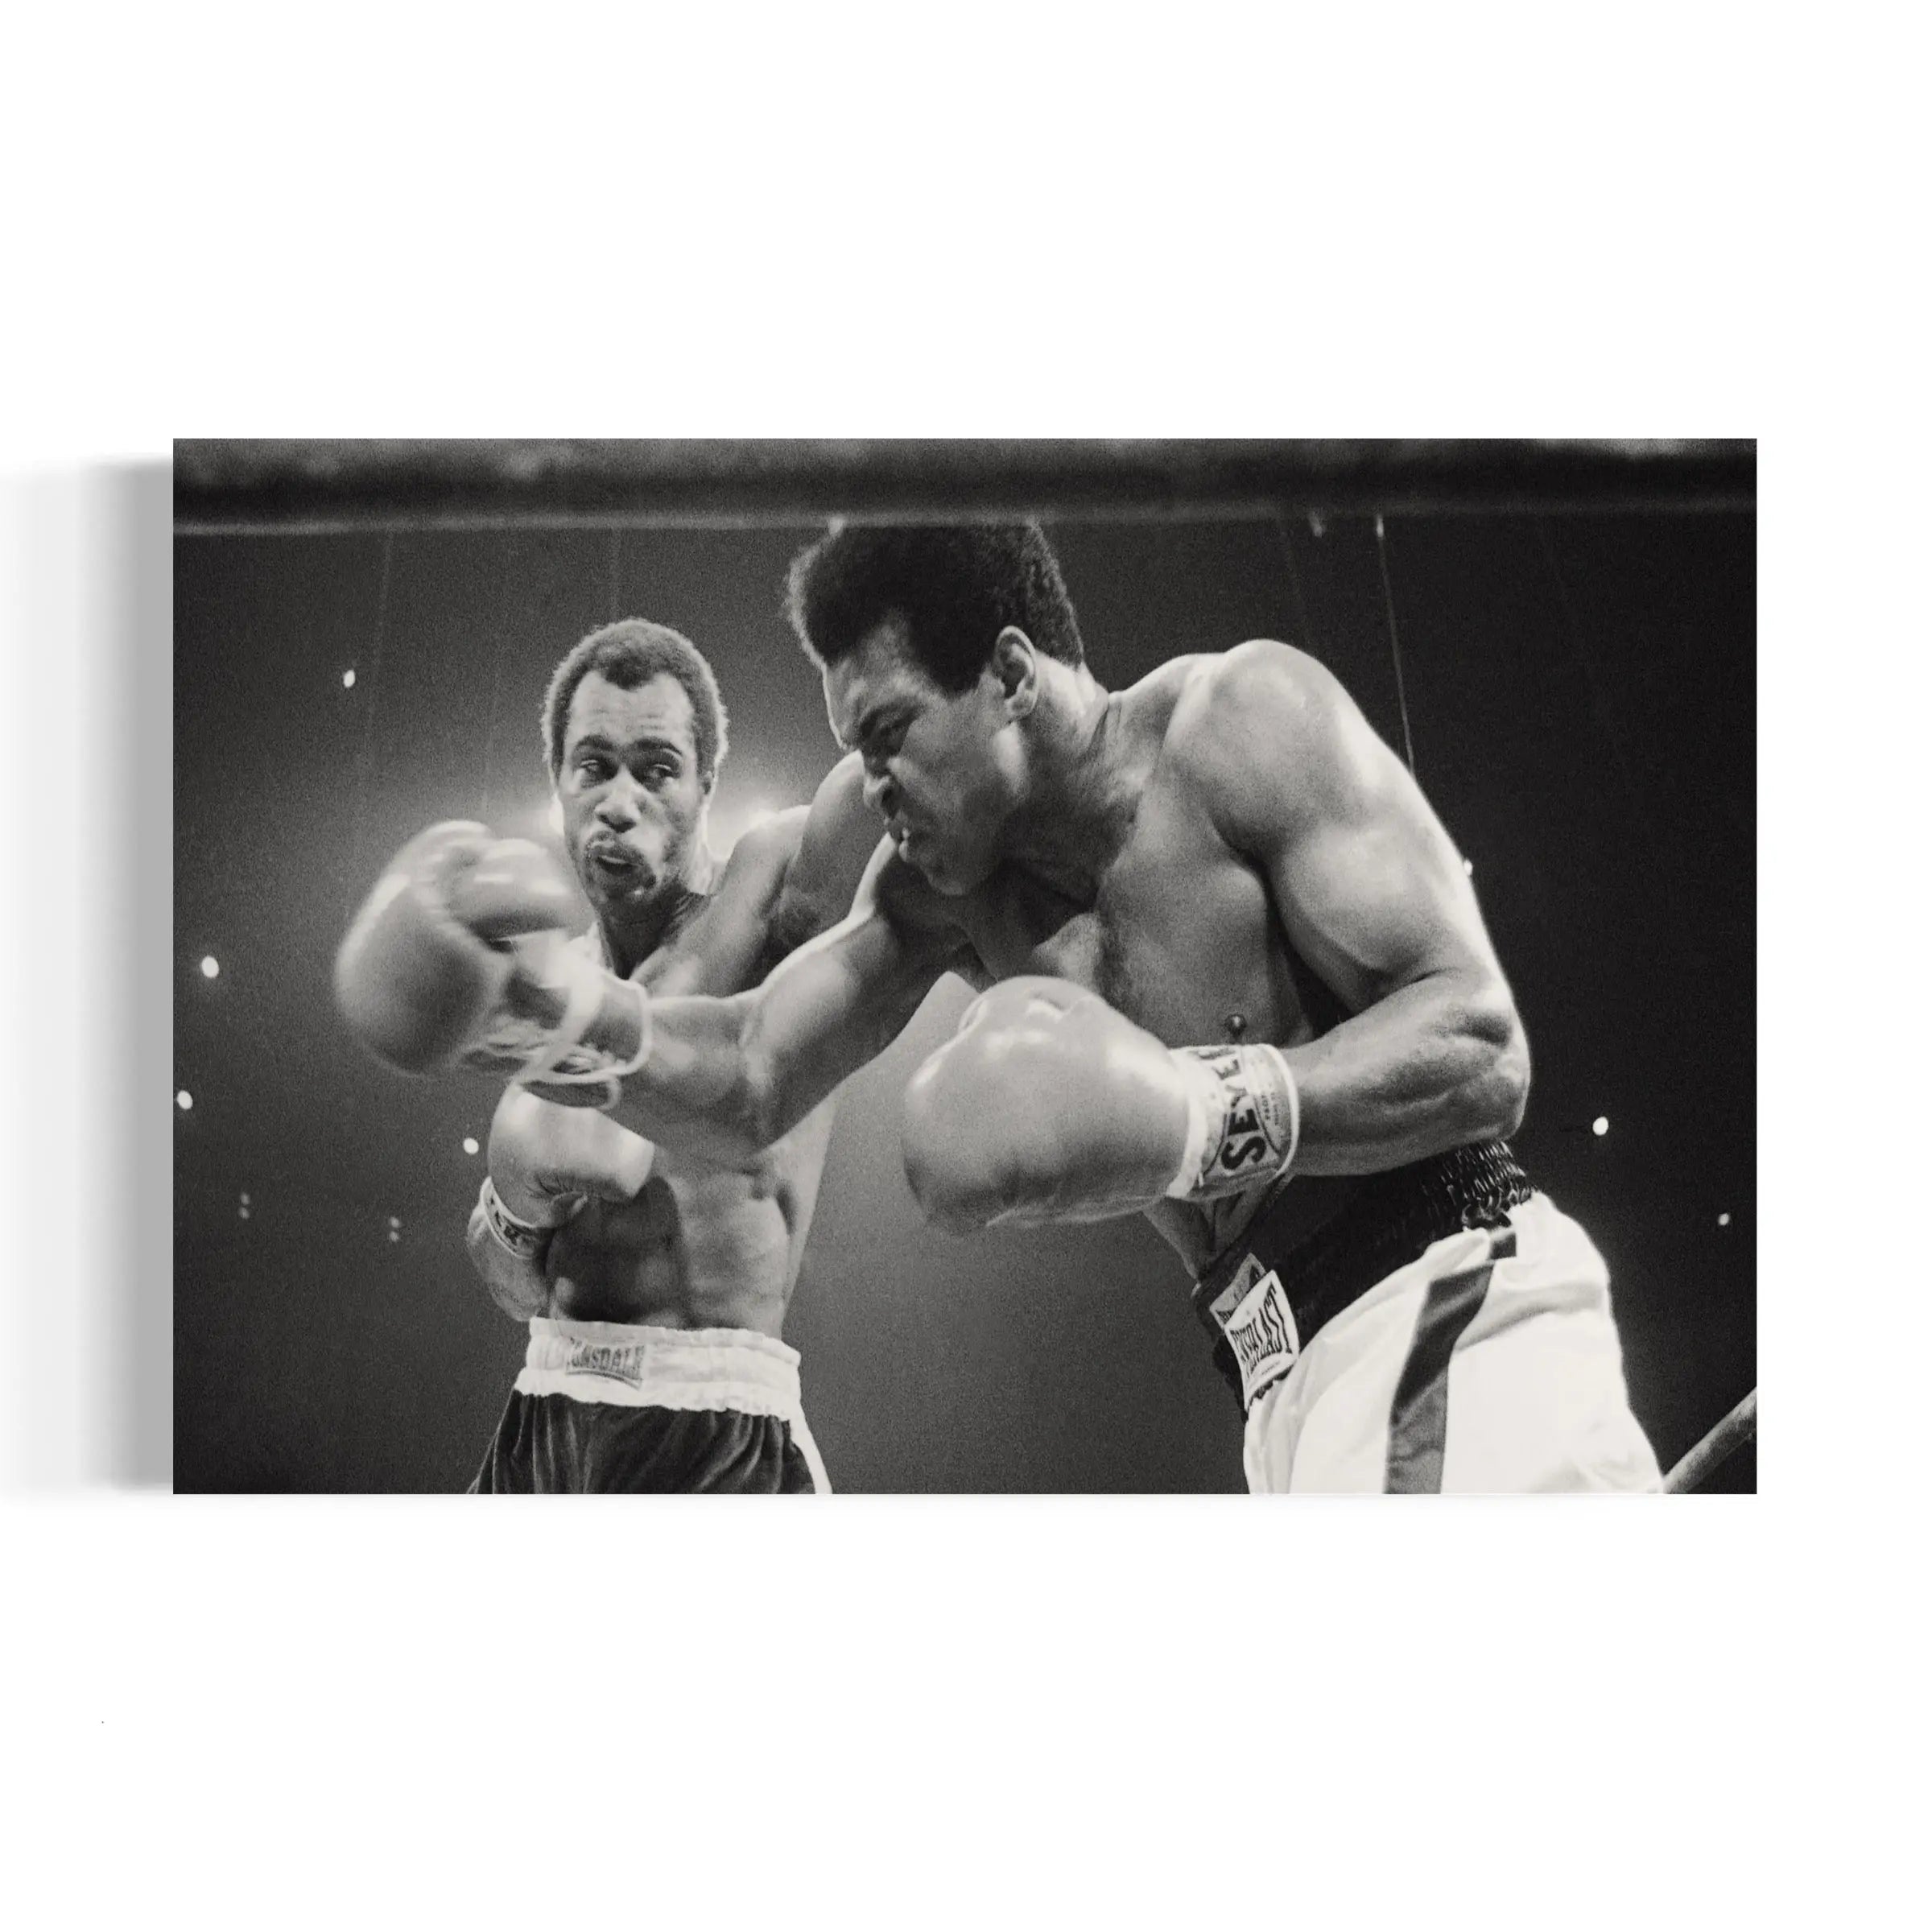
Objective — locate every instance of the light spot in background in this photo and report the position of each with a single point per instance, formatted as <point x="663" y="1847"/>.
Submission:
<point x="1601" y="1125"/>
<point x="184" y="1100"/>
<point x="210" y="966"/>
<point x="348" y="679"/>
<point x="469" y="1143"/>
<point x="1724" y="1221"/>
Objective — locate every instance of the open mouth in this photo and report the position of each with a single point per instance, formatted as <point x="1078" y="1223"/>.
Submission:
<point x="615" y="863"/>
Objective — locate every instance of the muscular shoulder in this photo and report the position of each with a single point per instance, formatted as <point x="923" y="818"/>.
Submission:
<point x="720" y="950"/>
<point x="839" y="834"/>
<point x="1264" y="731"/>
<point x="763" y="856"/>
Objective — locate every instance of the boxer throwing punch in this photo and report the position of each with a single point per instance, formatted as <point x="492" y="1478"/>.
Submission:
<point x="654" y="1285"/>
<point x="1247" y="991"/>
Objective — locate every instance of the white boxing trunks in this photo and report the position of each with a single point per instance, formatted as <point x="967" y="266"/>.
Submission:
<point x="1489" y="1361"/>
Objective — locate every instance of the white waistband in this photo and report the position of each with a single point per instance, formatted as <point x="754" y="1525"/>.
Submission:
<point x="640" y="1367"/>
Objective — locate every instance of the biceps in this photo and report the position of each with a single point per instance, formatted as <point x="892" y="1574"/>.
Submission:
<point x="820" y="888"/>
<point x="1378" y="902"/>
<point x="722" y="949"/>
<point x="718" y="955"/>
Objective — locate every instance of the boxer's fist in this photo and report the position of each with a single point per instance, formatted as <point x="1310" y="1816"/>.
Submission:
<point x="1047" y="1104"/>
<point x="546" y="1160"/>
<point x="428" y="963"/>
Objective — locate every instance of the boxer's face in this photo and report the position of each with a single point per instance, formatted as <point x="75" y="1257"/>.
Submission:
<point x="943" y="770"/>
<point x="632" y="803"/>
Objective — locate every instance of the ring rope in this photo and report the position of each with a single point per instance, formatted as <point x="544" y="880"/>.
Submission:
<point x="1737" y="1428"/>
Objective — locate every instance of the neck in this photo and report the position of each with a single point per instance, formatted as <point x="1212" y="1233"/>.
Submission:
<point x="633" y="936"/>
<point x="1081" y="797"/>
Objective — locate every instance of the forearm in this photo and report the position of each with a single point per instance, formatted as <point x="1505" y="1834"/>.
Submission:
<point x="1048" y="1106"/>
<point x="1436" y="1065"/>
<point x="723" y="1079"/>
<point x="703" y="1088"/>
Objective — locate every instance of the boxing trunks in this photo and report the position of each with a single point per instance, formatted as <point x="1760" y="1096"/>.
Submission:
<point x="605" y="1405"/>
<point x="1449" y="1329"/>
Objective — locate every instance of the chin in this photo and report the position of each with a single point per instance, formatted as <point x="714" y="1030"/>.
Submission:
<point x="636" y="894"/>
<point x="949" y="880"/>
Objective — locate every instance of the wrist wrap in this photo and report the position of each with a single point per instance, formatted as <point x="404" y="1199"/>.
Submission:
<point x="1244" y="1119"/>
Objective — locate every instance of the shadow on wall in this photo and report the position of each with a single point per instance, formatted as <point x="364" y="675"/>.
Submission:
<point x="93" y="1395"/>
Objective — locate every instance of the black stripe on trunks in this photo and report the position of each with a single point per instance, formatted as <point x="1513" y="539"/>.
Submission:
<point x="1419" y="1419"/>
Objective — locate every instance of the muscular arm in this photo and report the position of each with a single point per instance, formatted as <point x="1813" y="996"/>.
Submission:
<point x="840" y="835"/>
<point x="1373" y="895"/>
<point x="725" y="948"/>
<point x="787" y="881"/>
<point x="726" y="1078"/>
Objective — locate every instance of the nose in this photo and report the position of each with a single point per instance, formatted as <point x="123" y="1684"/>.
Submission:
<point x="617" y="808"/>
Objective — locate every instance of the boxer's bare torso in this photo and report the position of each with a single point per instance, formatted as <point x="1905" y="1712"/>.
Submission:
<point x="698" y="1247"/>
<point x="703" y="1246"/>
<point x="1165" y="920"/>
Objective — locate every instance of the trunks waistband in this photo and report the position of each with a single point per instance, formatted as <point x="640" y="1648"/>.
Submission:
<point x="1263" y="1300"/>
<point x="638" y="1366"/>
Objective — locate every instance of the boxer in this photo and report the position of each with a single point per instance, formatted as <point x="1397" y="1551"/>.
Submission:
<point x="654" y="1285"/>
<point x="1235" y="978"/>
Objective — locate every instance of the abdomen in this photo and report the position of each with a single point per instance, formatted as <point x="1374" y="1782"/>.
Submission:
<point x="654" y="1260"/>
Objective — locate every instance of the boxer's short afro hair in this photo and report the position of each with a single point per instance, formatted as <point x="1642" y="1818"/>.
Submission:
<point x="632" y="652"/>
<point x="956" y="585"/>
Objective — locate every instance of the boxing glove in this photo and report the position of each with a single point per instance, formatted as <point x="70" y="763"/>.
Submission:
<point x="1048" y="1105"/>
<point x="545" y="1160"/>
<point x="459" y="954"/>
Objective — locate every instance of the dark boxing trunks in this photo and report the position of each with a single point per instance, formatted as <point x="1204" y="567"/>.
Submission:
<point x="601" y="1407"/>
<point x="1263" y="1301"/>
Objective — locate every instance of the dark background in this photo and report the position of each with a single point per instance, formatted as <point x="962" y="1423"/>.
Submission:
<point x="1581" y="697"/>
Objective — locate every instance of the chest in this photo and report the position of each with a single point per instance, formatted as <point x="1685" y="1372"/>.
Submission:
<point x="1179" y="934"/>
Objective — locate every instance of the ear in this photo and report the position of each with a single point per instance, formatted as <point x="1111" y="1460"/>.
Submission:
<point x="706" y="864"/>
<point x="1016" y="665"/>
